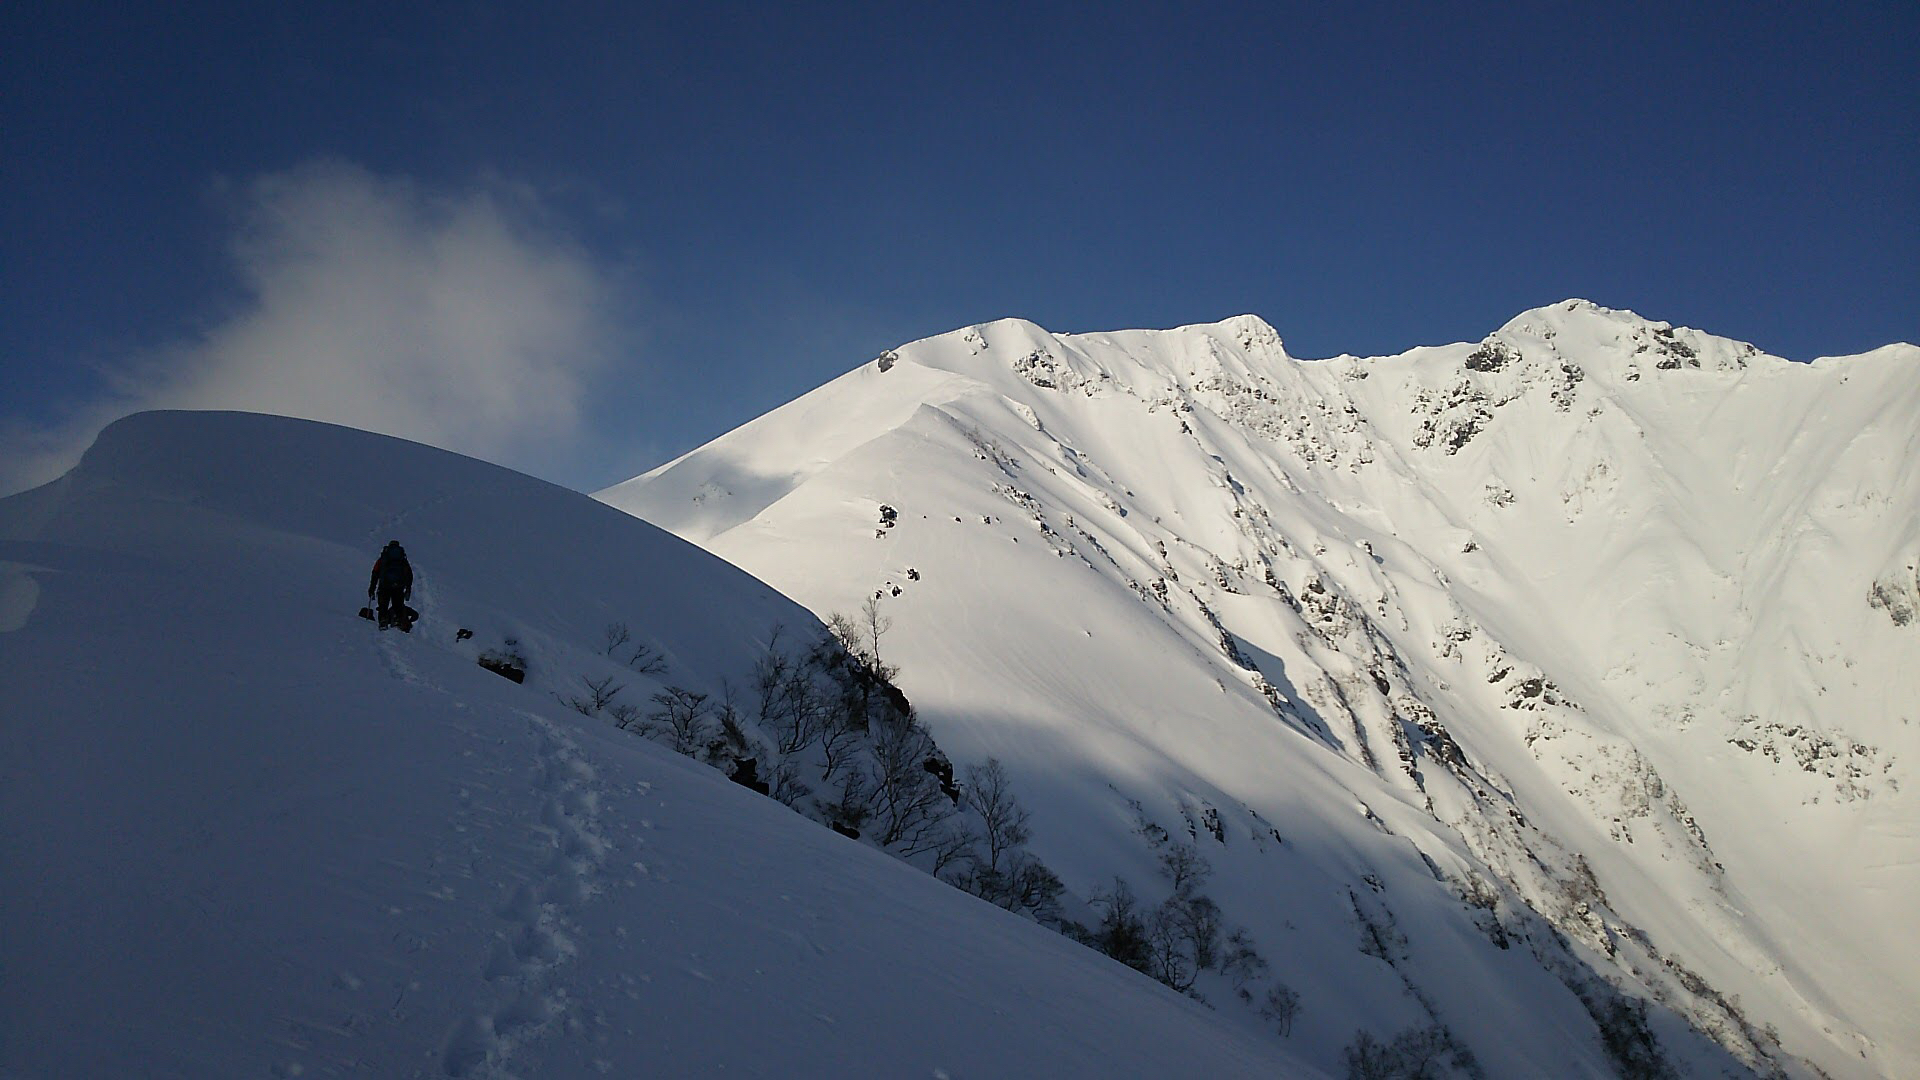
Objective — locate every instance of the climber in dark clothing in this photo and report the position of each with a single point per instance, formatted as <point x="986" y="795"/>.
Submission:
<point x="393" y="581"/>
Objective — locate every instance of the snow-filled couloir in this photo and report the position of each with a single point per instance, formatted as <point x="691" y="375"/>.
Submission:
<point x="1502" y="684"/>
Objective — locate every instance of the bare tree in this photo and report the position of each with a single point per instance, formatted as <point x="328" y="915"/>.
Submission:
<point x="855" y="802"/>
<point x="1186" y="869"/>
<point x="912" y="809"/>
<point x="787" y="787"/>
<point x="844" y="631"/>
<point x="789" y="705"/>
<point x="1196" y="921"/>
<point x="1003" y="820"/>
<point x="953" y="845"/>
<point x="1122" y="933"/>
<point x="838" y="742"/>
<point x="617" y="634"/>
<point x="684" y="716"/>
<point x="600" y="693"/>
<point x="1168" y="957"/>
<point x="1281" y="1006"/>
<point x="646" y="660"/>
<point x="874" y="626"/>
<point x="861" y="638"/>
<point x="1241" y="962"/>
<point x="733" y="743"/>
<point x="1414" y="1053"/>
<point x="1023" y="884"/>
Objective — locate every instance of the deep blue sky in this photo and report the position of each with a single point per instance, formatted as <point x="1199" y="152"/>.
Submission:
<point x="769" y="195"/>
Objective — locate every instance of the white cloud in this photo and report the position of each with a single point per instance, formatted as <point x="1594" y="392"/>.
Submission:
<point x="458" y="318"/>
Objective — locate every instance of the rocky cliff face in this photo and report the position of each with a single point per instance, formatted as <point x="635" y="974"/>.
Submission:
<point x="1527" y="677"/>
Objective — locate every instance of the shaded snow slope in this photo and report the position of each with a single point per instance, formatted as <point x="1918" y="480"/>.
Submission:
<point x="245" y="834"/>
<point x="1599" y="623"/>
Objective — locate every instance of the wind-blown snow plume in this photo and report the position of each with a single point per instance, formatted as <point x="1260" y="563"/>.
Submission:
<point x="461" y="318"/>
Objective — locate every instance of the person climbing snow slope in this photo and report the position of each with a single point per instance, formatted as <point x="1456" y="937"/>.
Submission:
<point x="392" y="580"/>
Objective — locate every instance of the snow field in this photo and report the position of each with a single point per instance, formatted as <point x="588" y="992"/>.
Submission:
<point x="248" y="834"/>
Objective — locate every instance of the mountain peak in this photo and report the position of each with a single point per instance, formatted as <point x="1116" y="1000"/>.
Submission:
<point x="1617" y="338"/>
<point x="1563" y="611"/>
<point x="1575" y="311"/>
<point x="1249" y="334"/>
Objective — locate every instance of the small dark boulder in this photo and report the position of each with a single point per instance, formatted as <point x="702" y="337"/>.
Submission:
<point x="1489" y="357"/>
<point x="942" y="770"/>
<point x="746" y="773"/>
<point x="507" y="667"/>
<point x="895" y="698"/>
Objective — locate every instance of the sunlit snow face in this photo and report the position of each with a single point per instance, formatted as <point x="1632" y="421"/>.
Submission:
<point x="1567" y="608"/>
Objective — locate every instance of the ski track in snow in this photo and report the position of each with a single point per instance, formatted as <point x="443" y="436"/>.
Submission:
<point x="388" y="643"/>
<point x="528" y="998"/>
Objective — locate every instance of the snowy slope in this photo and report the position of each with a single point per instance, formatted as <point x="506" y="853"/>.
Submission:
<point x="1613" y="619"/>
<point x="244" y="834"/>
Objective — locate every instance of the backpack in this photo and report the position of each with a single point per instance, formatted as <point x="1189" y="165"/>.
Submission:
<point x="393" y="567"/>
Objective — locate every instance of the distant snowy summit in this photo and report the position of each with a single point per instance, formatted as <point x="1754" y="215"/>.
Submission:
<point x="1617" y="344"/>
<point x="1598" y="623"/>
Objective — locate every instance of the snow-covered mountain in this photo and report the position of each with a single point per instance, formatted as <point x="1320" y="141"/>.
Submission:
<point x="1487" y="677"/>
<point x="244" y="833"/>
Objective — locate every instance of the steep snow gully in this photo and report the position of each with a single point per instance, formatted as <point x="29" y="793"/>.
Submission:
<point x="1504" y="686"/>
<point x="246" y="834"/>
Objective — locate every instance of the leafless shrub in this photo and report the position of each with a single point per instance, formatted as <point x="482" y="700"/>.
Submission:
<point x="684" y="717"/>
<point x="599" y="694"/>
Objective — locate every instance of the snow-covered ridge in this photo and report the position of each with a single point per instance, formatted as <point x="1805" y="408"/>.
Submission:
<point x="1607" y="615"/>
<point x="246" y="834"/>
